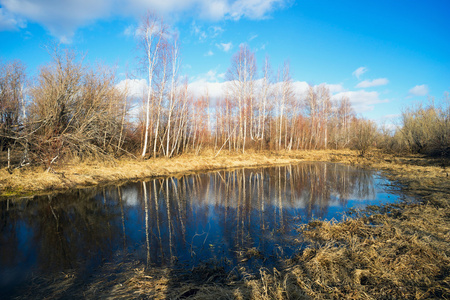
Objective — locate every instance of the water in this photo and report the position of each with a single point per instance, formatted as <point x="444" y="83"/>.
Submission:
<point x="245" y="217"/>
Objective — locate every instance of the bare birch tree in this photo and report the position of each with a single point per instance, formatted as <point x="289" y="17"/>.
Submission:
<point x="288" y="103"/>
<point x="241" y="76"/>
<point x="324" y="112"/>
<point x="344" y="116"/>
<point x="264" y="97"/>
<point x="162" y="78"/>
<point x="311" y="109"/>
<point x="173" y="89"/>
<point x="151" y="32"/>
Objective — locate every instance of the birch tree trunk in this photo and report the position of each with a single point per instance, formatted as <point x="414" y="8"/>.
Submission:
<point x="152" y="30"/>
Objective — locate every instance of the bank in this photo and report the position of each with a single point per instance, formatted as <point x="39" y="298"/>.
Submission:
<point x="32" y="180"/>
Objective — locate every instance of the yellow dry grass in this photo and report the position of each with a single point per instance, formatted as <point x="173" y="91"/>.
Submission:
<point x="89" y="173"/>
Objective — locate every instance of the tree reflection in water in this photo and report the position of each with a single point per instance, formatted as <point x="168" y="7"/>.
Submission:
<point x="231" y="217"/>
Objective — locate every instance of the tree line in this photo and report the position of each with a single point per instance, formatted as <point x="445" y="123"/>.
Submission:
<point x="74" y="110"/>
<point x="424" y="129"/>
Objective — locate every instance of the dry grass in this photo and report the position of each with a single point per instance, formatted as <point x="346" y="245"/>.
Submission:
<point x="399" y="251"/>
<point x="77" y="174"/>
<point x="376" y="257"/>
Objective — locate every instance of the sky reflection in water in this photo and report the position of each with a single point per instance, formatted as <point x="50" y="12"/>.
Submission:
<point x="180" y="222"/>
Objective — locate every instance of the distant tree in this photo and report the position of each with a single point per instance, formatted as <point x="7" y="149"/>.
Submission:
<point x="199" y="123"/>
<point x="365" y="134"/>
<point x="441" y="141"/>
<point x="265" y="95"/>
<point x="426" y="130"/>
<point x="342" y="116"/>
<point x="323" y="94"/>
<point x="241" y="76"/>
<point x="285" y="105"/>
<point x="418" y="127"/>
<point x="312" y="110"/>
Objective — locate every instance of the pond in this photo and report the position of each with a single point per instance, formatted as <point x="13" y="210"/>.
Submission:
<point x="243" y="217"/>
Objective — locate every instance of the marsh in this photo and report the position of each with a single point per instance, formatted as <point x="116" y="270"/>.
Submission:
<point x="244" y="218"/>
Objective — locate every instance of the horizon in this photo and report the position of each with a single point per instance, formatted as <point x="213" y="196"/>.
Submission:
<point x="383" y="56"/>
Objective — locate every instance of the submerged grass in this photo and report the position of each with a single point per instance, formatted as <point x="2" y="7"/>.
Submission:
<point x="397" y="251"/>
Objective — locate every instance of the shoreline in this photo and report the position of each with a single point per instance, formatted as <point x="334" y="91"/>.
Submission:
<point x="30" y="181"/>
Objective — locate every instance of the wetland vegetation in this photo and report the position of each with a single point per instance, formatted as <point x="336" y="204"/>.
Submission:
<point x="75" y="126"/>
<point x="397" y="250"/>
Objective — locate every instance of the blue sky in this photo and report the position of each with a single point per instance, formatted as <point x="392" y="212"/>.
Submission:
<point x="384" y="55"/>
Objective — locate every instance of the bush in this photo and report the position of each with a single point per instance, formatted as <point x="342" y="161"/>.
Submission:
<point x="365" y="134"/>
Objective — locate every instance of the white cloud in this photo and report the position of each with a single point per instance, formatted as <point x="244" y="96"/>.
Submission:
<point x="237" y="9"/>
<point x="130" y="31"/>
<point x="209" y="53"/>
<point x="208" y="82"/>
<point x="198" y="31"/>
<point x="419" y="90"/>
<point x="135" y="88"/>
<point x="253" y="37"/>
<point x="9" y="21"/>
<point x="389" y="123"/>
<point x="211" y="75"/>
<point x="214" y="31"/>
<point x="361" y="100"/>
<point x="225" y="46"/>
<point x="200" y="87"/>
<point x="210" y="33"/>
<point x="335" y="88"/>
<point x="165" y="7"/>
<point x="215" y="9"/>
<point x="391" y="116"/>
<point x="358" y="72"/>
<point x="263" y="47"/>
<point x="300" y="88"/>
<point x="254" y="9"/>
<point x="372" y="83"/>
<point x="62" y="18"/>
